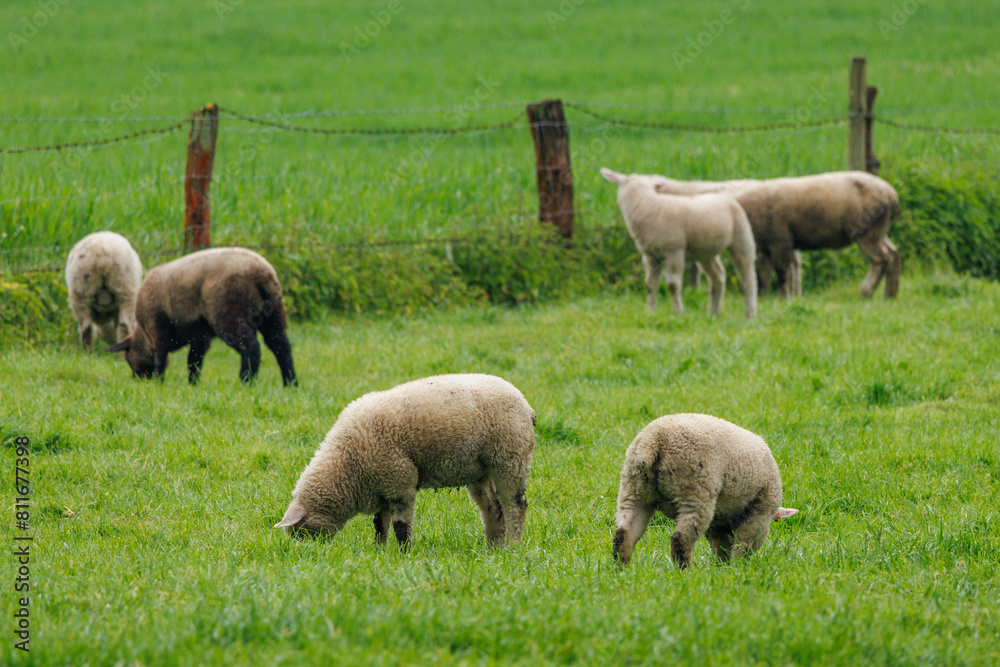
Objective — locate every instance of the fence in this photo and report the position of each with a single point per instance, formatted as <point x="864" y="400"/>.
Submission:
<point x="545" y="120"/>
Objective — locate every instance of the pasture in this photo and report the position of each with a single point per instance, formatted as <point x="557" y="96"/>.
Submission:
<point x="152" y="504"/>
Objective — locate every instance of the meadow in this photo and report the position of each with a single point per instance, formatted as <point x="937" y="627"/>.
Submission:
<point x="153" y="503"/>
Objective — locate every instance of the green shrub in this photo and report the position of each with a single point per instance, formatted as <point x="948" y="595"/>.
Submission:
<point x="34" y="308"/>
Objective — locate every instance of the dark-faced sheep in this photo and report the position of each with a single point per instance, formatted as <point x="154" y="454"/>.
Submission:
<point x="831" y="210"/>
<point x="714" y="478"/>
<point x="230" y="293"/>
<point x="103" y="274"/>
<point x="669" y="230"/>
<point x="444" y="431"/>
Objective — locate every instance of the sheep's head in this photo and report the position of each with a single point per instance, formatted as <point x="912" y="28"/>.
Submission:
<point x="657" y="183"/>
<point x="138" y="354"/>
<point x="300" y="521"/>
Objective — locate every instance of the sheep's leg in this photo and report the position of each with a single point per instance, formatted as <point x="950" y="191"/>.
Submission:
<point x="87" y="336"/>
<point x="693" y="521"/>
<point x="879" y="257"/>
<point x="796" y="271"/>
<point x="160" y="358"/>
<point x="196" y="355"/>
<point x="654" y="269"/>
<point x="513" y="505"/>
<point x="273" y="332"/>
<point x="751" y="534"/>
<point x="382" y="522"/>
<point x="249" y="350"/>
<point x="402" y="519"/>
<point x="722" y="544"/>
<point x="716" y="273"/>
<point x="484" y="495"/>
<point x="765" y="267"/>
<point x="892" y="269"/>
<point x="694" y="273"/>
<point x="675" y="279"/>
<point x="631" y="522"/>
<point x="744" y="266"/>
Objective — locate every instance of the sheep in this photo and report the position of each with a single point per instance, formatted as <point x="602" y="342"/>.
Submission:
<point x="226" y="292"/>
<point x="830" y="210"/>
<point x="466" y="430"/>
<point x="666" y="228"/>
<point x="103" y="273"/>
<point x="713" y="477"/>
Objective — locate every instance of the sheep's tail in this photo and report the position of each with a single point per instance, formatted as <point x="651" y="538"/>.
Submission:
<point x="643" y="462"/>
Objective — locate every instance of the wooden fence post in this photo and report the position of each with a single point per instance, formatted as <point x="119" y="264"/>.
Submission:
<point x="198" y="176"/>
<point x="872" y="163"/>
<point x="857" y="108"/>
<point x="555" y="175"/>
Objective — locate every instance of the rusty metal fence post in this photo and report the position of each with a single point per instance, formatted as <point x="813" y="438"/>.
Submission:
<point x="198" y="177"/>
<point x="555" y="175"/>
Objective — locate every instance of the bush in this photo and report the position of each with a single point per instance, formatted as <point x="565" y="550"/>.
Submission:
<point x="34" y="308"/>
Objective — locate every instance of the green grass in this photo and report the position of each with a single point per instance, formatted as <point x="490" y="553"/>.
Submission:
<point x="153" y="503"/>
<point x="93" y="60"/>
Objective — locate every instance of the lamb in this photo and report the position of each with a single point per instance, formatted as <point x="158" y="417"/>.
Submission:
<point x="715" y="478"/>
<point x="830" y="210"/>
<point x="226" y="292"/>
<point x="668" y="228"/>
<point x="466" y="430"/>
<point x="103" y="273"/>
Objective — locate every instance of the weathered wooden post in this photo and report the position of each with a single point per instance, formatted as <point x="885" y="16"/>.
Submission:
<point x="857" y="106"/>
<point x="198" y="176"/>
<point x="872" y="163"/>
<point x="555" y="175"/>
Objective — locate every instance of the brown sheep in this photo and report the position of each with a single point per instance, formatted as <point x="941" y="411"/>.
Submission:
<point x="226" y="292"/>
<point x="831" y="210"/>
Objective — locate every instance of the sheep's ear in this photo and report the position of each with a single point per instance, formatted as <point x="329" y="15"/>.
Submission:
<point x="784" y="513"/>
<point x="612" y="176"/>
<point x="120" y="346"/>
<point x="296" y="512"/>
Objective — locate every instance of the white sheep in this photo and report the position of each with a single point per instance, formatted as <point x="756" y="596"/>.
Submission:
<point x="668" y="228"/>
<point x="713" y="477"/>
<point x="103" y="274"/>
<point x="830" y="210"/>
<point x="466" y="430"/>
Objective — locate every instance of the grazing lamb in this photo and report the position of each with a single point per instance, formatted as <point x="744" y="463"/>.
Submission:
<point x="226" y="292"/>
<point x="466" y="430"/>
<point x="715" y="478"/>
<point x="668" y="228"/>
<point x="829" y="210"/>
<point x="103" y="274"/>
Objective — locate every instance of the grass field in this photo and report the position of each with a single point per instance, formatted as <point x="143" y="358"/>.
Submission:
<point x="153" y="503"/>
<point x="166" y="59"/>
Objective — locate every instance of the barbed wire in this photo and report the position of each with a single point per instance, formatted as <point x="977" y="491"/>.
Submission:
<point x="732" y="129"/>
<point x="937" y="130"/>
<point x="261" y="120"/>
<point x="170" y="129"/>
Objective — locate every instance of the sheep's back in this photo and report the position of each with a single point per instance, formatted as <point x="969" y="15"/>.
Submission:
<point x="449" y="427"/>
